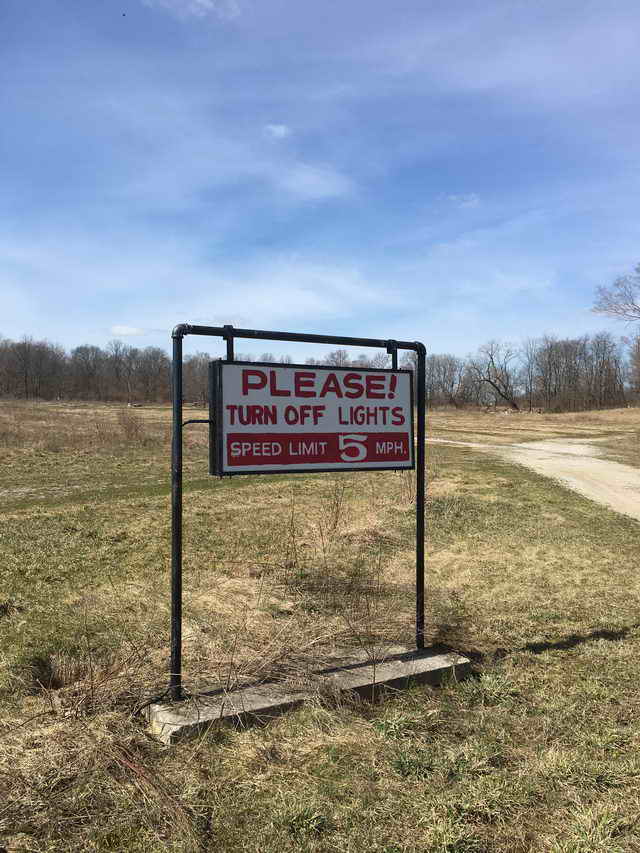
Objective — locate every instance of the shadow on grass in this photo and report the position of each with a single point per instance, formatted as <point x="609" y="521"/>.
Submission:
<point x="565" y="644"/>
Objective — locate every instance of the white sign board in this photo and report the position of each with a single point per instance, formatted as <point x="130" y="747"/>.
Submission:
<point x="291" y="418"/>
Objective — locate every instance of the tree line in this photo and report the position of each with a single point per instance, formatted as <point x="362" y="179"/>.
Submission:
<point x="547" y="373"/>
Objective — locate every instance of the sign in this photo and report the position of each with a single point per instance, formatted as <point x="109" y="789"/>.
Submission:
<point x="292" y="418"/>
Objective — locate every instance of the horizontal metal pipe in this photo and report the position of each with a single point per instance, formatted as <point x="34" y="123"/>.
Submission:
<point x="258" y="334"/>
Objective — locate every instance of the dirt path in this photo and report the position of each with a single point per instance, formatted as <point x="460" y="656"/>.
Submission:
<point x="574" y="464"/>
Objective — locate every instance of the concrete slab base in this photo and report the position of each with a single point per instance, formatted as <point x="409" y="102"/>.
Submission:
<point x="357" y="673"/>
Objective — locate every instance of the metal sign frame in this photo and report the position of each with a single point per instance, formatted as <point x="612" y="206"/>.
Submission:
<point x="215" y="418"/>
<point x="229" y="333"/>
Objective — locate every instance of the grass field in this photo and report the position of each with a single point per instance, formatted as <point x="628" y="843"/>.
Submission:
<point x="538" y="751"/>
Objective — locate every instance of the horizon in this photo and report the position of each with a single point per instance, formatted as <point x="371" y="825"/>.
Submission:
<point x="307" y="353"/>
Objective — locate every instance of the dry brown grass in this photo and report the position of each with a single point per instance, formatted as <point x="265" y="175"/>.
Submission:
<point x="505" y="427"/>
<point x="540" y="586"/>
<point x="55" y="427"/>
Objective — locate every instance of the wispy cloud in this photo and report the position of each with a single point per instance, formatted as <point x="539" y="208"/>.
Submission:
<point x="545" y="50"/>
<point x="464" y="200"/>
<point x="315" y="182"/>
<point x="277" y="131"/>
<point x="277" y="292"/>
<point x="173" y="169"/>
<point x="126" y="331"/>
<point x="272" y="289"/>
<point x="197" y="8"/>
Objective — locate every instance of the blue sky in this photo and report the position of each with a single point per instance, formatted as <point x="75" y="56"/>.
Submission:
<point x="442" y="171"/>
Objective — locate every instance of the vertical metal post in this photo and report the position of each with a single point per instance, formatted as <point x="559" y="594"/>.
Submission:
<point x="229" y="339"/>
<point x="213" y="449"/>
<point x="392" y="350"/>
<point x="420" y="495"/>
<point x="175" y="683"/>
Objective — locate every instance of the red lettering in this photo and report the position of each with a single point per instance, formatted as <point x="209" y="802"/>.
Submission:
<point x="331" y="385"/>
<point x="256" y="414"/>
<point x="397" y="416"/>
<point x="375" y="386"/>
<point x="318" y="412"/>
<point x="291" y="415"/>
<point x="273" y="386"/>
<point x="305" y="413"/>
<point x="353" y="381"/>
<point x="259" y="378"/>
<point x="304" y="379"/>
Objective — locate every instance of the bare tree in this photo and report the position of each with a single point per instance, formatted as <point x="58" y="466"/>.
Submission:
<point x="269" y="358"/>
<point x="528" y="351"/>
<point x="634" y="365"/>
<point x="7" y="367"/>
<point x="380" y="359"/>
<point x="88" y="371"/>
<point x="130" y="364"/>
<point x="24" y="352"/>
<point x="49" y="362"/>
<point x="450" y="377"/>
<point x="494" y="365"/>
<point x="361" y="360"/>
<point x="409" y="360"/>
<point x="152" y="373"/>
<point x="338" y="358"/>
<point x="621" y="299"/>
<point x="196" y="375"/>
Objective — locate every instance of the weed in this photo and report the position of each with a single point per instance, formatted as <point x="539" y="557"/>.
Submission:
<point x="333" y="505"/>
<point x="11" y="434"/>
<point x="412" y="763"/>
<point x="491" y="688"/>
<point x="407" y="487"/>
<point x="304" y="822"/>
<point x="397" y="725"/>
<point x="130" y="425"/>
<point x="597" y="829"/>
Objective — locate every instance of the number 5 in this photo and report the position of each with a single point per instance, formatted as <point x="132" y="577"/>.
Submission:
<point x="352" y="448"/>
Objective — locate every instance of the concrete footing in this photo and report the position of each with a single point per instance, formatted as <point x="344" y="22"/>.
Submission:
<point x="357" y="673"/>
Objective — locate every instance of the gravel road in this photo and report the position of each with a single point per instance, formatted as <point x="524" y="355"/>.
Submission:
<point x="576" y="465"/>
